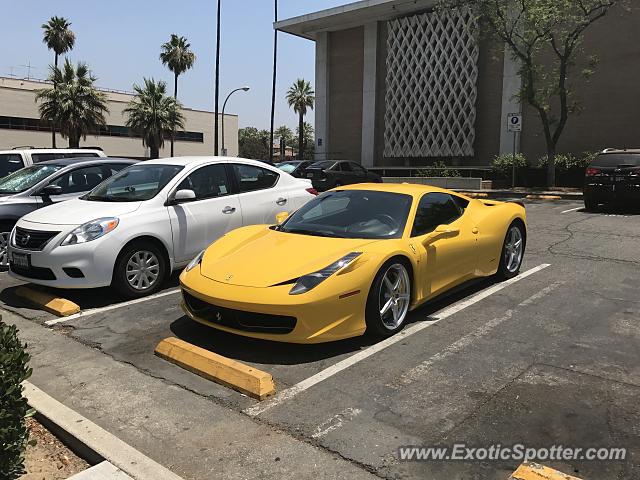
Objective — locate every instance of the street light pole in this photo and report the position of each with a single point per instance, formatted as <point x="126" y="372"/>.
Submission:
<point x="215" y="119"/>
<point x="273" y="88"/>
<point x="224" y="105"/>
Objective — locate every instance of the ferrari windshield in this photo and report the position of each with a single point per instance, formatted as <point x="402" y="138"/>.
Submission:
<point x="352" y="214"/>
<point x="134" y="184"/>
<point x="26" y="178"/>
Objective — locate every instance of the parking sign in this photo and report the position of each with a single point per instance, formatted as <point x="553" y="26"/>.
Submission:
<point x="514" y="122"/>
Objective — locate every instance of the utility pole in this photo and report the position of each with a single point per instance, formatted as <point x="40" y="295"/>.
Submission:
<point x="273" y="89"/>
<point x="215" y="119"/>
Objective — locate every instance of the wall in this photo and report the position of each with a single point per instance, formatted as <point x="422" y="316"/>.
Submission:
<point x="346" y="62"/>
<point x="17" y="99"/>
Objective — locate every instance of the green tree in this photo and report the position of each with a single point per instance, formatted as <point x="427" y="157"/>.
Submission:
<point x="178" y="57"/>
<point x="59" y="38"/>
<point x="153" y="115"/>
<point x="300" y="97"/>
<point x="285" y="133"/>
<point x="545" y="37"/>
<point x="14" y="409"/>
<point x="253" y="143"/>
<point x="309" y="142"/>
<point x="75" y="105"/>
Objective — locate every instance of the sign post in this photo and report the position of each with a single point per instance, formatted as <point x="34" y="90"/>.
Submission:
<point x="514" y="124"/>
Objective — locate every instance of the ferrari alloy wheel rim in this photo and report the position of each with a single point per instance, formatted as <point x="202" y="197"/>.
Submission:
<point x="4" y="243"/>
<point x="513" y="249"/>
<point x="143" y="270"/>
<point x="395" y="293"/>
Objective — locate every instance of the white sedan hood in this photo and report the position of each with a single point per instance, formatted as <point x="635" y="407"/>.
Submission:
<point x="77" y="212"/>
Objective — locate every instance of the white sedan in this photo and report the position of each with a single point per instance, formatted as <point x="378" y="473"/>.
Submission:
<point x="151" y="218"/>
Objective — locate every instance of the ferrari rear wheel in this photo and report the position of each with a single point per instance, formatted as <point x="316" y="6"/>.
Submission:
<point x="389" y="299"/>
<point x="512" y="251"/>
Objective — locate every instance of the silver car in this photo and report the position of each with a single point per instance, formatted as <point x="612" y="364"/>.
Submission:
<point x="49" y="182"/>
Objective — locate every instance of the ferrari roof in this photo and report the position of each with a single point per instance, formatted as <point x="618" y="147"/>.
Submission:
<point x="406" y="188"/>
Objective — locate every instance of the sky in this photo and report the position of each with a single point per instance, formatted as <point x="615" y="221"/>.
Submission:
<point x="120" y="40"/>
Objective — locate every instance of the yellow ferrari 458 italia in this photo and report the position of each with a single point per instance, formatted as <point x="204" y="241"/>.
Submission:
<point x="355" y="259"/>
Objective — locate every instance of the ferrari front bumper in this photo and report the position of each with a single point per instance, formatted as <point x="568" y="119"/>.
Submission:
<point x="321" y="315"/>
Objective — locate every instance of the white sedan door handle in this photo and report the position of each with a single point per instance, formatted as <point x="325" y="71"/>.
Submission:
<point x="227" y="210"/>
<point x="281" y="201"/>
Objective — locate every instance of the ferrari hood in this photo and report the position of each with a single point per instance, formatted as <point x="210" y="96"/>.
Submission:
<point x="77" y="212"/>
<point x="268" y="257"/>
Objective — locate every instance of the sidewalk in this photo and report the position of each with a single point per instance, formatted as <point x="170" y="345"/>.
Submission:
<point x="187" y="433"/>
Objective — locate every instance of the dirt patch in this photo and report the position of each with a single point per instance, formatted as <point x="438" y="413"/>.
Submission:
<point x="49" y="458"/>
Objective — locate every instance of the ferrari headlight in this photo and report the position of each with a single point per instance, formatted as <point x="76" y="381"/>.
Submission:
<point x="312" y="280"/>
<point x="91" y="231"/>
<point x="195" y="262"/>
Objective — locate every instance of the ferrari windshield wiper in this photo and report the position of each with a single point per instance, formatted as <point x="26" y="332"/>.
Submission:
<point x="315" y="233"/>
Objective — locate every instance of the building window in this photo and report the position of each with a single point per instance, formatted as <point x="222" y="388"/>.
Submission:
<point x="37" y="125"/>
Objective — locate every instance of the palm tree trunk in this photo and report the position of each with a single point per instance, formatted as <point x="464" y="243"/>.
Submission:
<point x="175" y="96"/>
<point x="53" y="125"/>
<point x="301" y="137"/>
<point x="154" y="152"/>
<point x="74" y="140"/>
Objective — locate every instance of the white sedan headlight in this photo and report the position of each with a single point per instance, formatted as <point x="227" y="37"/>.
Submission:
<point x="91" y="231"/>
<point x="312" y="280"/>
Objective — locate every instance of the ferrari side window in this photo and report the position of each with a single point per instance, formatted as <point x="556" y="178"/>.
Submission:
<point x="435" y="209"/>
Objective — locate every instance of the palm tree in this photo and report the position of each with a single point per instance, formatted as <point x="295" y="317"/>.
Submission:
<point x="59" y="38"/>
<point x="153" y="115"/>
<point x="177" y="56"/>
<point x="76" y="105"/>
<point x="300" y="96"/>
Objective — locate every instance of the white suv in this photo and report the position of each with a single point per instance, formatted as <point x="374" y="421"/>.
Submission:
<point x="149" y="219"/>
<point x="13" y="160"/>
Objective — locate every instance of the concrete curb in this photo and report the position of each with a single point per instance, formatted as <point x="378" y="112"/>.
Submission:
<point x="102" y="471"/>
<point x="217" y="368"/>
<point x="577" y="196"/>
<point x="91" y="441"/>
<point x="52" y="304"/>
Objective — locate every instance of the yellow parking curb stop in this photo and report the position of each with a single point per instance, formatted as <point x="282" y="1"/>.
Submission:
<point x="52" y="304"/>
<point x="475" y="195"/>
<point x="223" y="370"/>
<point x="544" y="197"/>
<point x="533" y="471"/>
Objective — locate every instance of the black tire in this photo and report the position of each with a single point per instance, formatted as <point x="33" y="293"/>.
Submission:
<point x="374" y="321"/>
<point x="5" y="230"/>
<point x="506" y="271"/>
<point x="120" y="281"/>
<point x="590" y="204"/>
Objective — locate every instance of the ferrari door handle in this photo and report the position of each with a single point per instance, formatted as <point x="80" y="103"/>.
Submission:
<point x="475" y="231"/>
<point x="227" y="210"/>
<point x="281" y="201"/>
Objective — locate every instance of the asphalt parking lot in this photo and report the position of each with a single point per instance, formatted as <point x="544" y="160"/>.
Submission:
<point x="550" y="358"/>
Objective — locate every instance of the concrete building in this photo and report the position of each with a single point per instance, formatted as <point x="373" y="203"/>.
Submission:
<point x="20" y="125"/>
<point x="398" y="83"/>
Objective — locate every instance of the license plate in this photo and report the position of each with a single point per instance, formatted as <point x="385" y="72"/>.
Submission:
<point x="309" y="175"/>
<point x="21" y="260"/>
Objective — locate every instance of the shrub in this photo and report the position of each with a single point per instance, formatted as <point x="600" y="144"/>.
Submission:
<point x="13" y="407"/>
<point x="438" y="169"/>
<point x="566" y="161"/>
<point x="504" y="163"/>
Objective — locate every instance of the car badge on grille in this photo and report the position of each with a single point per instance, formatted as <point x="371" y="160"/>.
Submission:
<point x="218" y="317"/>
<point x="25" y="240"/>
<point x="228" y="277"/>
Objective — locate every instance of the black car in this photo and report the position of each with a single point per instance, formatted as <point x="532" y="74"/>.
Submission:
<point x="328" y="174"/>
<point x="44" y="183"/>
<point x="613" y="177"/>
<point x="295" y="168"/>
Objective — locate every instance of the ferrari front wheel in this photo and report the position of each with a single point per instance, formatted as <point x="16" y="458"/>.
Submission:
<point x="389" y="299"/>
<point x="512" y="251"/>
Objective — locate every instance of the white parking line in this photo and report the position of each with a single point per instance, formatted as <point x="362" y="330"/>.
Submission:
<point x="573" y="209"/>
<point x="93" y="311"/>
<point x="363" y="354"/>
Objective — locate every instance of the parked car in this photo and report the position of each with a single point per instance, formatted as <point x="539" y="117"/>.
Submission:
<point x="49" y="182"/>
<point x="294" y="167"/>
<point x="14" y="160"/>
<point x="613" y="177"/>
<point x="154" y="217"/>
<point x="351" y="261"/>
<point x="328" y="174"/>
